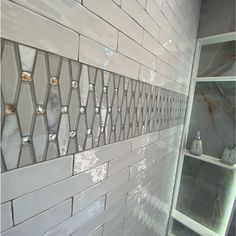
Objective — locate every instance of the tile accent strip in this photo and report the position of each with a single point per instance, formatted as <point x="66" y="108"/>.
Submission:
<point x="53" y="106"/>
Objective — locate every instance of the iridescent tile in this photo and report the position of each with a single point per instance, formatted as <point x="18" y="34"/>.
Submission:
<point x="98" y="87"/>
<point x="65" y="82"/>
<point x="11" y="138"/>
<point x="54" y="64"/>
<point x="26" y="108"/>
<point x="63" y="134"/>
<point x="84" y="85"/>
<point x="92" y="74"/>
<point x="82" y="132"/>
<point x="40" y="78"/>
<point x="40" y="138"/>
<point x="27" y="156"/>
<point x="52" y="151"/>
<point x="90" y="110"/>
<point x="27" y="56"/>
<point x="10" y="73"/>
<point x="53" y="109"/>
<point x="74" y="109"/>
<point x="76" y="70"/>
<point x="96" y="130"/>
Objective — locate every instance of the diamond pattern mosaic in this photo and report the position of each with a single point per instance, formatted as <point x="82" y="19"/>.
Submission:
<point x="53" y="106"/>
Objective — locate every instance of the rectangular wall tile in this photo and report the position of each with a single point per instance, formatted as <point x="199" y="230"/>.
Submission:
<point x="77" y="18"/>
<point x="40" y="224"/>
<point x="6" y="216"/>
<point x="97" y="55"/>
<point x="84" y="198"/>
<point x="76" y="221"/>
<point x="24" y="180"/>
<point x="113" y="14"/>
<point x="136" y="52"/>
<point x="135" y="10"/>
<point x="91" y="158"/>
<point x="27" y="27"/>
<point x="25" y="207"/>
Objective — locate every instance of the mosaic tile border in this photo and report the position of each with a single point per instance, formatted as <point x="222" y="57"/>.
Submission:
<point x="53" y="106"/>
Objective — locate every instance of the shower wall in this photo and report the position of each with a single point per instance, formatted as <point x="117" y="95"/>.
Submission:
<point x="93" y="102"/>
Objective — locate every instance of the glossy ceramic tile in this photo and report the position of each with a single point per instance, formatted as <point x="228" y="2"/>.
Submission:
<point x="42" y="222"/>
<point x="6" y="216"/>
<point x="27" y="27"/>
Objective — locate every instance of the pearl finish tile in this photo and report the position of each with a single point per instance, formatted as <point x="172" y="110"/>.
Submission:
<point x="24" y="207"/>
<point x="43" y="222"/>
<point x="67" y="12"/>
<point x="18" y="21"/>
<point x="112" y="13"/>
<point x="6" y="216"/>
<point x="16" y="183"/>
<point x="97" y="55"/>
<point x="136" y="52"/>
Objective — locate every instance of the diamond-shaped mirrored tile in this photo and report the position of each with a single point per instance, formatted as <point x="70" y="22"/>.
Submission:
<point x="64" y="82"/>
<point x="11" y="138"/>
<point x="10" y="73"/>
<point x="63" y="134"/>
<point x="53" y="109"/>
<point x="54" y="65"/>
<point x="98" y="87"/>
<point x="82" y="132"/>
<point x="27" y="56"/>
<point x="96" y="130"/>
<point x="52" y="151"/>
<point x="40" y="78"/>
<point x="76" y="70"/>
<point x="92" y="74"/>
<point x="26" y="108"/>
<point x="90" y="110"/>
<point x="104" y="109"/>
<point x="40" y="138"/>
<point x="74" y="108"/>
<point x="27" y="155"/>
<point x="84" y="85"/>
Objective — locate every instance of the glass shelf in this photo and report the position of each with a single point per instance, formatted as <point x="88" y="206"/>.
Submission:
<point x="213" y="113"/>
<point x="217" y="60"/>
<point x="206" y="192"/>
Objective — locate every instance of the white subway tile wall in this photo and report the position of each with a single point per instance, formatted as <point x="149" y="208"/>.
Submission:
<point x="49" y="109"/>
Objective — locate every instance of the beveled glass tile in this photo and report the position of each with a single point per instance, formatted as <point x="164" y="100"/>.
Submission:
<point x="40" y="78"/>
<point x="108" y="128"/>
<point x="103" y="109"/>
<point x="27" y="56"/>
<point x="82" y="132"/>
<point x="53" y="109"/>
<point x="11" y="138"/>
<point x="118" y="127"/>
<point x="63" y="134"/>
<point x="98" y="87"/>
<point x="54" y="64"/>
<point x="64" y="82"/>
<point x="76" y="70"/>
<point x="110" y="90"/>
<point x="84" y="85"/>
<point x="52" y="151"/>
<point x="74" y="109"/>
<point x="10" y="73"/>
<point x="106" y="76"/>
<point x="120" y="91"/>
<point x="26" y="108"/>
<point x="89" y="142"/>
<point x="27" y="156"/>
<point x="40" y="138"/>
